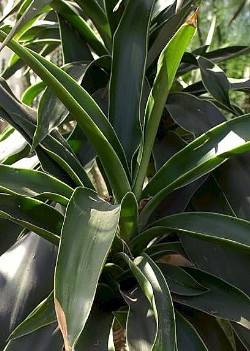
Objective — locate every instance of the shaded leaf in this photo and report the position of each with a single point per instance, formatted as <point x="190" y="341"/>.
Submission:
<point x="215" y="81"/>
<point x="49" y="337"/>
<point x="141" y="326"/>
<point x="204" y="154"/>
<point x="26" y="212"/>
<point x="222" y="300"/>
<point x="26" y="278"/>
<point x="43" y="315"/>
<point x="187" y="336"/>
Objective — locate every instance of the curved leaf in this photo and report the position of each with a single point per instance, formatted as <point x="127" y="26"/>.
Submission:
<point x="129" y="50"/>
<point x="32" y="11"/>
<point x="187" y="336"/>
<point x="95" y="223"/>
<point x="27" y="213"/>
<point x="166" y="70"/>
<point x="51" y="111"/>
<point x="43" y="315"/>
<point x="26" y="272"/>
<point x="204" y="154"/>
<point x="31" y="182"/>
<point x="98" y="17"/>
<point x="106" y="152"/>
<point x="222" y="300"/>
<point x="70" y="14"/>
<point x="155" y="288"/>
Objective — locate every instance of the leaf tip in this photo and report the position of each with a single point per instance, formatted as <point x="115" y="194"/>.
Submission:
<point x="192" y="20"/>
<point x="61" y="318"/>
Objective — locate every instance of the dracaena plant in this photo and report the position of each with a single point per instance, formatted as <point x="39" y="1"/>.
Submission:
<point x="124" y="181"/>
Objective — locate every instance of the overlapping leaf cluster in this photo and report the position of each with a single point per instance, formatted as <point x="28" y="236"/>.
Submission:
<point x="136" y="220"/>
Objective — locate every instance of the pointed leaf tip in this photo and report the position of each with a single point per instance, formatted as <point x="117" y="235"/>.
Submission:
<point x="192" y="20"/>
<point x="61" y="318"/>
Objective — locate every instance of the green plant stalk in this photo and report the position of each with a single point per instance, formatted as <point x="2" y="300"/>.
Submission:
<point x="111" y="163"/>
<point x="168" y="64"/>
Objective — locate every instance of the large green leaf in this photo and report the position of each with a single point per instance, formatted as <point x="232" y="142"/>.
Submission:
<point x="168" y="64"/>
<point x="222" y="300"/>
<point x="26" y="212"/>
<point x="81" y="258"/>
<point x="49" y="337"/>
<point x="31" y="182"/>
<point x="211" y="227"/>
<point x="204" y="154"/>
<point x="26" y="271"/>
<point x="141" y="324"/>
<point x="129" y="50"/>
<point x="187" y="336"/>
<point x="74" y="47"/>
<point x="193" y="114"/>
<point x="106" y="152"/>
<point x="155" y="288"/>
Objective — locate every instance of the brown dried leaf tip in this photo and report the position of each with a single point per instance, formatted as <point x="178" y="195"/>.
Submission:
<point x="62" y="324"/>
<point x="192" y="20"/>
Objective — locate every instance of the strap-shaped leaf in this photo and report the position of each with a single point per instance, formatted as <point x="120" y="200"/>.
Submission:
<point x="141" y="324"/>
<point x="70" y="14"/>
<point x="51" y="111"/>
<point x="88" y="232"/>
<point x="89" y="338"/>
<point x="32" y="11"/>
<point x="168" y="64"/>
<point x="215" y="81"/>
<point x="74" y="46"/>
<point x="187" y="336"/>
<point x="180" y="282"/>
<point x="31" y="182"/>
<point x="129" y="50"/>
<point x="222" y="300"/>
<point x="103" y="147"/>
<point x="44" y="314"/>
<point x="96" y="13"/>
<point x="155" y="288"/>
<point x="48" y="336"/>
<point x="22" y="118"/>
<point x="204" y="154"/>
<point x="212" y="227"/>
<point x="27" y="212"/>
